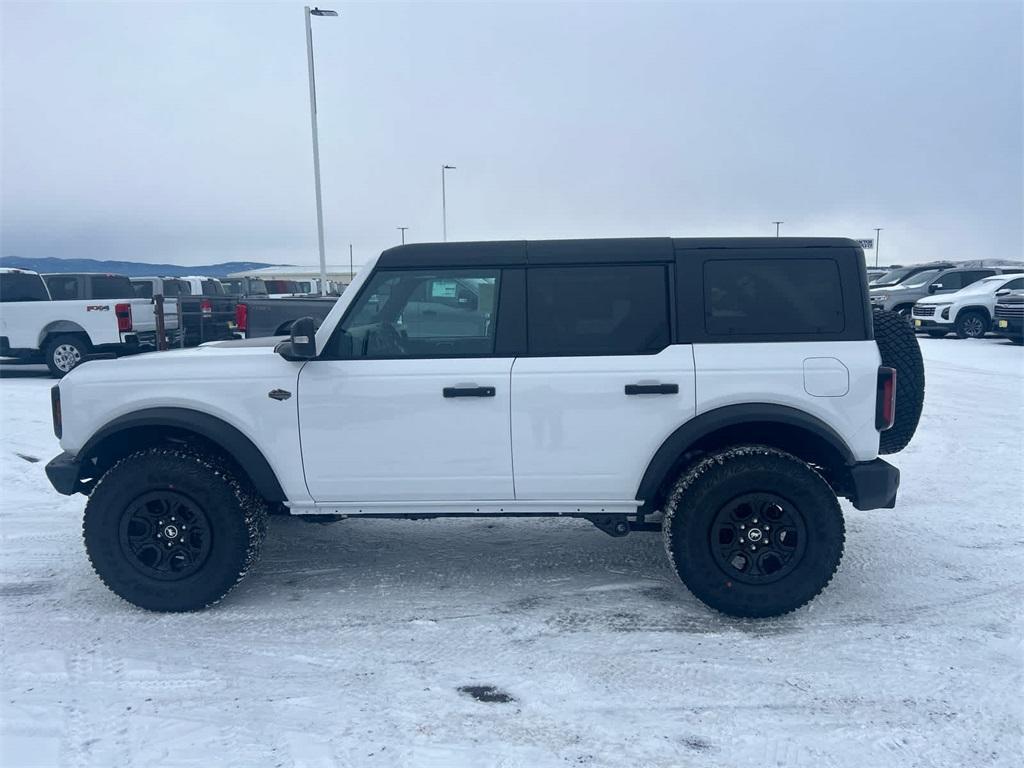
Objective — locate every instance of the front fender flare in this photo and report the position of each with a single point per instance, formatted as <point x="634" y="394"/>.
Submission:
<point x="222" y="434"/>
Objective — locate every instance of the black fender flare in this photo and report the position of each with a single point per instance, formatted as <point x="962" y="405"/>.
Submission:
<point x="212" y="428"/>
<point x="687" y="435"/>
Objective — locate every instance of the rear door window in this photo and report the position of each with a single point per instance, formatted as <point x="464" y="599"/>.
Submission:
<point x="597" y="310"/>
<point x="754" y="297"/>
<point x="143" y="290"/>
<point x="18" y="286"/>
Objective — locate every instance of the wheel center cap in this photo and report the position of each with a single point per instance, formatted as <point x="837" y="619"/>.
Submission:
<point x="755" y="535"/>
<point x="171" y="531"/>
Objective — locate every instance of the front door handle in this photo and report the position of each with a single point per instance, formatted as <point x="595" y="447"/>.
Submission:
<point x="468" y="391"/>
<point x="652" y="389"/>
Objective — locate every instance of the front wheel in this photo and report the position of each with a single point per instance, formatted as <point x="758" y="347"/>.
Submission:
<point x="170" y="529"/>
<point x="753" y="532"/>
<point x="938" y="334"/>
<point x="971" y="325"/>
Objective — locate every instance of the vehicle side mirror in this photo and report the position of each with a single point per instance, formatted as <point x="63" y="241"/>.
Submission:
<point x="934" y="287"/>
<point x="302" y="343"/>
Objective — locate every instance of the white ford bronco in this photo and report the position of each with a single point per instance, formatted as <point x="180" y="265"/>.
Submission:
<point x="723" y="391"/>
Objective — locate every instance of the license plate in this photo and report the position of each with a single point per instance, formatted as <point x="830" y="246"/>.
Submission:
<point x="917" y="323"/>
<point x="1003" y="324"/>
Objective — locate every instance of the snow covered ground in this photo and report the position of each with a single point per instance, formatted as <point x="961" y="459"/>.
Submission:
<point x="349" y="644"/>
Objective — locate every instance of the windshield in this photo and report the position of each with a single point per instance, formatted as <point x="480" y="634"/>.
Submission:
<point x="921" y="278"/>
<point x="892" y="277"/>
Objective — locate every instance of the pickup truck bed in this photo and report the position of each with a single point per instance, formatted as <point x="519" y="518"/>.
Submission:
<point x="274" y="317"/>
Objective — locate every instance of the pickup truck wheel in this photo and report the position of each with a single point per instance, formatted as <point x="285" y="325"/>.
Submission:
<point x="65" y="352"/>
<point x="172" y="529"/>
<point x="753" y="532"/>
<point x="898" y="347"/>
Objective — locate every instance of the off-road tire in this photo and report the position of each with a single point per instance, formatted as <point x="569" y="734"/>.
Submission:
<point x="692" y="511"/>
<point x="899" y="349"/>
<point x="60" y="351"/>
<point x="968" y="324"/>
<point x="235" y="518"/>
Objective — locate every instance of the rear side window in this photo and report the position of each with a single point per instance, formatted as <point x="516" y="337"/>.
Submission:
<point x="143" y="290"/>
<point x="597" y="310"/>
<point x="62" y="287"/>
<point x="16" y="286"/>
<point x="772" y="296"/>
<point x="111" y="287"/>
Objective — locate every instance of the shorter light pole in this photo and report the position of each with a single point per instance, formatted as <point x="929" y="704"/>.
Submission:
<point x="403" y="233"/>
<point x="350" y="269"/>
<point x="878" y="239"/>
<point x="777" y="223"/>
<point x="444" y="203"/>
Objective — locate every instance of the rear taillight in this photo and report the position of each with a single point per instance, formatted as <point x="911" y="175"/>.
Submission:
<point x="58" y="424"/>
<point x="206" y="306"/>
<point x="124" y="316"/>
<point x="242" y="316"/>
<point x="885" y="399"/>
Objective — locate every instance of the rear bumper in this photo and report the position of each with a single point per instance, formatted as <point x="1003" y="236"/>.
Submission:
<point x="874" y="484"/>
<point x="63" y="472"/>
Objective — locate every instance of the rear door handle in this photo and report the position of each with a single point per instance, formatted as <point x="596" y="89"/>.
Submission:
<point x="468" y="391"/>
<point x="652" y="389"/>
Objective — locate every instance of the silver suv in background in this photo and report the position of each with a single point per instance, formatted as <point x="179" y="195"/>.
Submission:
<point x="900" y="297"/>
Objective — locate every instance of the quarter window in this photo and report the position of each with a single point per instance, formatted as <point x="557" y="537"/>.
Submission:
<point x="772" y="296"/>
<point x="425" y="313"/>
<point x="606" y="310"/>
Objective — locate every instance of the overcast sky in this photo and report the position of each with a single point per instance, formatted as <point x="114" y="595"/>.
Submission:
<point x="180" y="131"/>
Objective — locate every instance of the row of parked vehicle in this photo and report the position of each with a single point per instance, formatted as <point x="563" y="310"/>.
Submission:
<point x="944" y="297"/>
<point x="61" y="319"/>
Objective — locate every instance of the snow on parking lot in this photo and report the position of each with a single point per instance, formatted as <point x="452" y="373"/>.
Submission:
<point x="349" y="644"/>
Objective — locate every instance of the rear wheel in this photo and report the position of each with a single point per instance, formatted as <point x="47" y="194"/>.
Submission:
<point x="63" y="353"/>
<point x="171" y="529"/>
<point x="971" y="325"/>
<point x="753" y="532"/>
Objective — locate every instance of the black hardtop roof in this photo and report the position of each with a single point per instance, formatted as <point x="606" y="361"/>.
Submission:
<point x="625" y="249"/>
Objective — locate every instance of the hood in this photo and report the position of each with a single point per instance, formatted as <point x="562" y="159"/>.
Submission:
<point x="219" y="359"/>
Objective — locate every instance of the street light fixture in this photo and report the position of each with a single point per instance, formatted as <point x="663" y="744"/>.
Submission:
<point x="777" y="223"/>
<point x="444" y="204"/>
<point x="316" y="142"/>
<point x="403" y="233"/>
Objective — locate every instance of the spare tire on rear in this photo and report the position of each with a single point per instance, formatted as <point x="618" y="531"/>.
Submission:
<point x="898" y="346"/>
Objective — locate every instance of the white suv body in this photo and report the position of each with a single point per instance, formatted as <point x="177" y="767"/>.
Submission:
<point x="968" y="311"/>
<point x="576" y="378"/>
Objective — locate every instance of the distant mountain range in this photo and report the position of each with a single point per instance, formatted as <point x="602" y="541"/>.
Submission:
<point x="130" y="268"/>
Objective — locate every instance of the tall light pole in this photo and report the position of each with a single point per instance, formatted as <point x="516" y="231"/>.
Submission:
<point x="878" y="239"/>
<point x="350" y="269"/>
<point x="444" y="202"/>
<point x="777" y="223"/>
<point x="316" y="142"/>
<point x="403" y="233"/>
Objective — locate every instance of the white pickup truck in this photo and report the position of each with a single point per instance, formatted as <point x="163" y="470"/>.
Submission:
<point x="61" y="333"/>
<point x="79" y="286"/>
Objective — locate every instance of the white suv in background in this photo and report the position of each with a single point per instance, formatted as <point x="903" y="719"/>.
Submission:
<point x="968" y="311"/>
